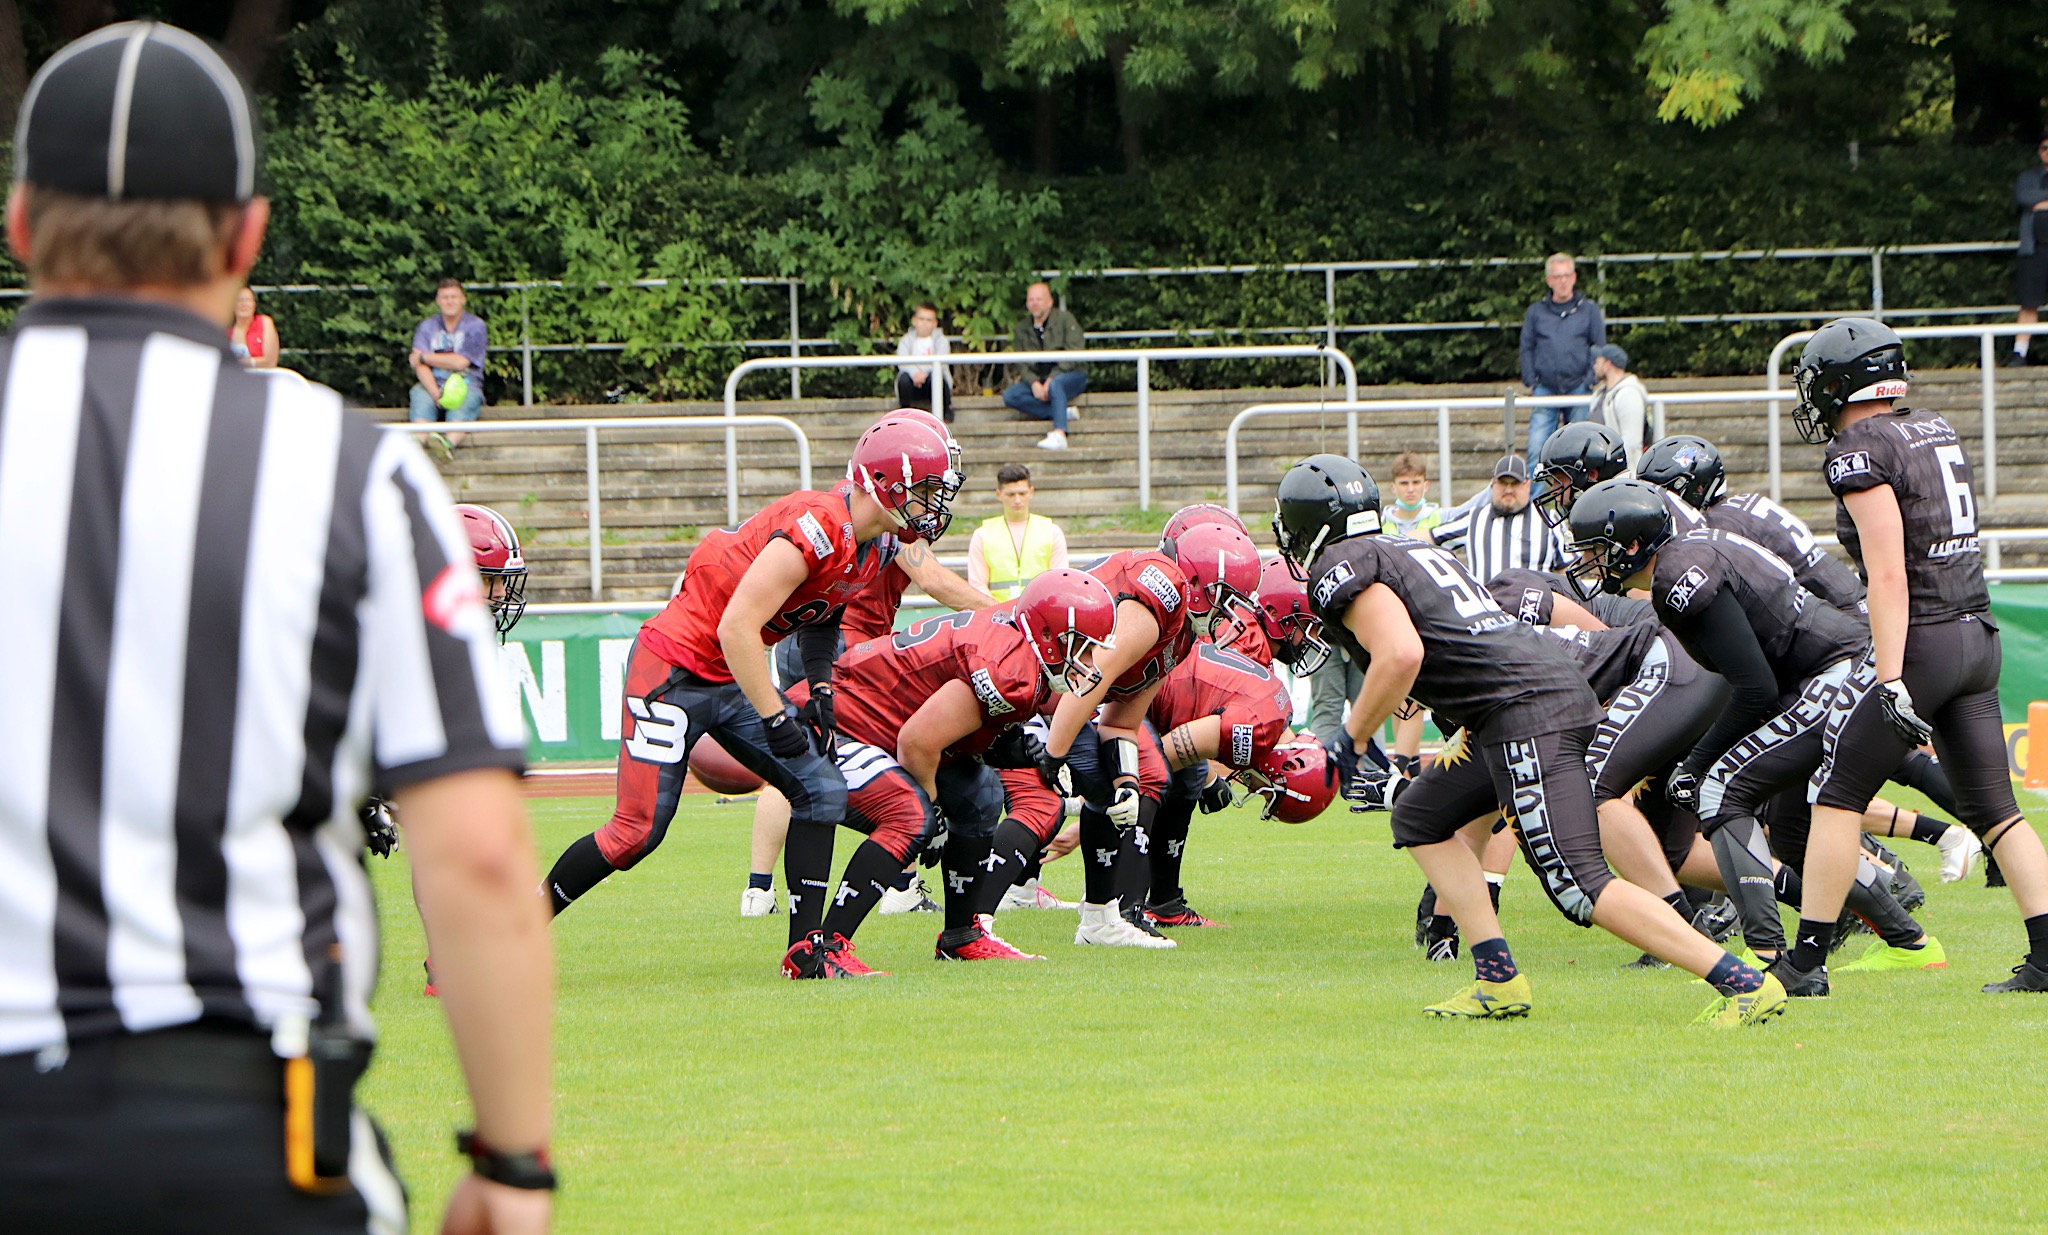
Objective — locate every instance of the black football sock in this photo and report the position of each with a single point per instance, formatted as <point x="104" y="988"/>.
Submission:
<point x="1744" y="860"/>
<point x="1810" y="946"/>
<point x="581" y="867"/>
<point x="806" y="872"/>
<point x="1928" y="830"/>
<point x="966" y="860"/>
<point x="1035" y="867"/>
<point x="2037" y="940"/>
<point x="1680" y="904"/>
<point x="1731" y="977"/>
<point x="1013" y="848"/>
<point x="1426" y="906"/>
<point x="1921" y="771"/>
<point x="1099" y="845"/>
<point x="761" y="880"/>
<point x="1169" y="844"/>
<point x="1134" y="859"/>
<point x="869" y="872"/>
<point x="1491" y="961"/>
<point x="1787" y="886"/>
<point x="904" y="878"/>
<point x="1494" y="883"/>
<point x="1869" y="900"/>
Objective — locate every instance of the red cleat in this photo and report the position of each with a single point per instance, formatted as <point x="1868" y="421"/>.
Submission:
<point x="839" y="956"/>
<point x="1177" y="912"/>
<point x="817" y="957"/>
<point x="429" y="991"/>
<point x="985" y="946"/>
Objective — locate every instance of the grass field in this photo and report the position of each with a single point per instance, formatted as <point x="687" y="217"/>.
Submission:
<point x="1276" y="1076"/>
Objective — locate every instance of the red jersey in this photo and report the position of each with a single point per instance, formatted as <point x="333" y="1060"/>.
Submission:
<point x="872" y="613"/>
<point x="882" y="683"/>
<point x="1254" y="705"/>
<point x="1253" y="645"/>
<point x="1154" y="580"/>
<point x="820" y="525"/>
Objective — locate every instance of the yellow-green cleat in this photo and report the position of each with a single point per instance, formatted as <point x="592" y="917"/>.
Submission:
<point x="1742" y="1011"/>
<point x="1487" y="1001"/>
<point x="1881" y="956"/>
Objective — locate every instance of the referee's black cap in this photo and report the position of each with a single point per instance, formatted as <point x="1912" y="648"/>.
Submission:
<point x="138" y="111"/>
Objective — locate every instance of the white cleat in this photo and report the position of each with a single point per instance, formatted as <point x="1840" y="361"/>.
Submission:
<point x="757" y="903"/>
<point x="914" y="899"/>
<point x="1959" y="849"/>
<point x="1032" y="895"/>
<point x="1104" y="926"/>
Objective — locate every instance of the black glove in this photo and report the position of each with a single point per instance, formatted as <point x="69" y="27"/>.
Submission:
<point x="787" y="737"/>
<point x="935" y="851"/>
<point x="1897" y="703"/>
<point x="1053" y="770"/>
<point x="1015" y="747"/>
<point x="1683" y="790"/>
<point x="817" y="713"/>
<point x="380" y="828"/>
<point x="1372" y="789"/>
<point x="1216" y="795"/>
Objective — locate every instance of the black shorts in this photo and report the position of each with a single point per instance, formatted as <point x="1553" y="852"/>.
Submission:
<point x="1540" y="783"/>
<point x="2031" y="278"/>
<point x="1952" y="670"/>
<point x="1654" y="721"/>
<point x="1787" y="749"/>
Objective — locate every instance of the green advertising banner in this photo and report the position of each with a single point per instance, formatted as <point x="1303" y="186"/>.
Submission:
<point x="569" y="670"/>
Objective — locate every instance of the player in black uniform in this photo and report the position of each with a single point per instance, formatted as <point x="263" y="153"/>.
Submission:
<point x="1691" y="468"/>
<point x="1411" y="615"/>
<point x="1740" y="613"/>
<point x="1907" y="512"/>
<point x="1579" y="456"/>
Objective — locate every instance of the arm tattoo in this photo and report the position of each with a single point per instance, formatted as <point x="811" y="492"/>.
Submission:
<point x="1181" y="748"/>
<point x="915" y="554"/>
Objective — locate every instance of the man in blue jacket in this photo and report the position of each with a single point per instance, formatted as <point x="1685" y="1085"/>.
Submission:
<point x="2030" y="194"/>
<point x="1559" y="333"/>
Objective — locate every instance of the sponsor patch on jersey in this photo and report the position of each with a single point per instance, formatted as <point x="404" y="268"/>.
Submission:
<point x="1850" y="463"/>
<point x="1682" y="592"/>
<point x="813" y="531"/>
<point x="1240" y="746"/>
<point x="1154" y="580"/>
<point x="992" y="700"/>
<point x="1333" y="578"/>
<point x="1532" y="605"/>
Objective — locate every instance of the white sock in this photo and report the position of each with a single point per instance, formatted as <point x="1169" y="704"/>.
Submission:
<point x="2019" y="346"/>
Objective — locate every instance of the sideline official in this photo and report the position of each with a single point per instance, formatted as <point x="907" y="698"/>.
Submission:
<point x="233" y="609"/>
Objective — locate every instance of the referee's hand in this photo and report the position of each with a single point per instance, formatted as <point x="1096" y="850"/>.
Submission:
<point x="480" y="1207"/>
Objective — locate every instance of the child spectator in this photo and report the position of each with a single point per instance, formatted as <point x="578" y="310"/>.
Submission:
<point x="914" y="381"/>
<point x="1411" y="513"/>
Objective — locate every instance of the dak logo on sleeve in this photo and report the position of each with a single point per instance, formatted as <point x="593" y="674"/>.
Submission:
<point x="1154" y="580"/>
<point x="813" y="531"/>
<point x="1694" y="578"/>
<point x="1852" y="463"/>
<point x="1333" y="578"/>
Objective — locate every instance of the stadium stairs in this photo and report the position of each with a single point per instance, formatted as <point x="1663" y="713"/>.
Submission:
<point x="662" y="489"/>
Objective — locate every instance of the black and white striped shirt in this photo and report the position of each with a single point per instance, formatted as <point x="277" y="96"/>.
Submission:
<point x="232" y="610"/>
<point x="1493" y="542"/>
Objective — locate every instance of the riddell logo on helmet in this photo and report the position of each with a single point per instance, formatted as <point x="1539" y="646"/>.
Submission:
<point x="1154" y="580"/>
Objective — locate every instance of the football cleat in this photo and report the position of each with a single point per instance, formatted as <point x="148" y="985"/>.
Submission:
<point x="1718" y="920"/>
<point x="1440" y="938"/>
<point x="1031" y="894"/>
<point x="430" y="990"/>
<point x="1425" y="909"/>
<point x="757" y="903"/>
<point x="1881" y="956"/>
<point x="1742" y="1011"/>
<point x="1646" y="961"/>
<point x="806" y="958"/>
<point x="1796" y="984"/>
<point x="1177" y="912"/>
<point x="1103" y="926"/>
<point x="2026" y="976"/>
<point x="985" y="946"/>
<point x="914" y="899"/>
<point x="1959" y="849"/>
<point x="839" y="957"/>
<point x="1487" y="1001"/>
<point x="1138" y="918"/>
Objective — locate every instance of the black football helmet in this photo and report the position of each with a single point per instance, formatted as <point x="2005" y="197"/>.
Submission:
<point x="1616" y="527"/>
<point x="1323" y="499"/>
<point x="1574" y="459"/>
<point x="1849" y="359"/>
<point x="1688" y="466"/>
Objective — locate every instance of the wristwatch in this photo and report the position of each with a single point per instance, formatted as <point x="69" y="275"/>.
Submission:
<point x="531" y="1171"/>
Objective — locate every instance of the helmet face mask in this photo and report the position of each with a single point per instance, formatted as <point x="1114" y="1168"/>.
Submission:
<point x="1069" y="619"/>
<point x="1295" y="779"/>
<point x="1574" y="459"/>
<point x="499" y="564"/>
<point x="1617" y="526"/>
<point x="1288" y="623"/>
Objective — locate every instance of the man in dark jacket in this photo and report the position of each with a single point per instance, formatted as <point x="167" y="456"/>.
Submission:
<point x="1042" y="391"/>
<point x="2030" y="194"/>
<point x="1559" y="333"/>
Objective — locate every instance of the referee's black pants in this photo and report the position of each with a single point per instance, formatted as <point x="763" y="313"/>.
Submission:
<point x="181" y="1130"/>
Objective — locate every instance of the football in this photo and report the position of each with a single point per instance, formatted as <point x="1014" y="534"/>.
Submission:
<point x="719" y="771"/>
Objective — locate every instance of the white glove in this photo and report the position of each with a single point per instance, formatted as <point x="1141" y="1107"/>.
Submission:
<point x="1897" y="703"/>
<point x="1123" y="808"/>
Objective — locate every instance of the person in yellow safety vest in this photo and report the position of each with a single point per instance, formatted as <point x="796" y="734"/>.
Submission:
<point x="1007" y="551"/>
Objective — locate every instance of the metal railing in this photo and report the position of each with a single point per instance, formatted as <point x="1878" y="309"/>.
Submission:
<point x="1658" y="401"/>
<point x="1140" y="356"/>
<point x="591" y="428"/>
<point x="1987" y="368"/>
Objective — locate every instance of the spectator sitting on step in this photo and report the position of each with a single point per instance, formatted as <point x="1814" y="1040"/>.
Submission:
<point x="1620" y="402"/>
<point x="914" y="381"/>
<point x="448" y="359"/>
<point x="1043" y="390"/>
<point x="1008" y="551"/>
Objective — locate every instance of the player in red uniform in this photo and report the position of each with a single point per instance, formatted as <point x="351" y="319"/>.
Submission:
<point x="700" y="665"/>
<point x="921" y="716"/>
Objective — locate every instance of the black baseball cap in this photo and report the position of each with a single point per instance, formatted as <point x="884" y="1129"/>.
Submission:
<point x="138" y="111"/>
<point x="1511" y="467"/>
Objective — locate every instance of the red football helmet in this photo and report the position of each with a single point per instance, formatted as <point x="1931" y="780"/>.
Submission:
<point x="907" y="464"/>
<point x="1288" y="622"/>
<point x="1297" y="780"/>
<point x="1222" y="568"/>
<point x="1069" y="616"/>
<point x="919" y="414"/>
<point x="499" y="561"/>
<point x="1193" y="516"/>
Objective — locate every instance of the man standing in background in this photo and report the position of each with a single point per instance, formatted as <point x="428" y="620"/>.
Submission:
<point x="2030" y="194"/>
<point x="1010" y="549"/>
<point x="1620" y="401"/>
<point x="1559" y="333"/>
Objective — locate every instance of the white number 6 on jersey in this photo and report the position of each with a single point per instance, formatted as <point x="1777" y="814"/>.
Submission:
<point x="1962" y="507"/>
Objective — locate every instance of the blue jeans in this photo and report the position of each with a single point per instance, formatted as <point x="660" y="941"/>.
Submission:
<point x="426" y="410"/>
<point x="1544" y="421"/>
<point x="1062" y="388"/>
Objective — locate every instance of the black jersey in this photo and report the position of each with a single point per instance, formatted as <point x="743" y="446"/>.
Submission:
<point x="1609" y="658"/>
<point x="1798" y="637"/>
<point x="1513" y="589"/>
<point x="1755" y="517"/>
<point x="1919" y="455"/>
<point x="1480" y="667"/>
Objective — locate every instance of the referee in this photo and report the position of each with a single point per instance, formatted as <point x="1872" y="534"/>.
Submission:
<point x="1499" y="529"/>
<point x="232" y="610"/>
